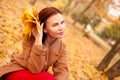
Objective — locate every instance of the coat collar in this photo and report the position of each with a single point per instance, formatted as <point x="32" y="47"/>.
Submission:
<point x="49" y="41"/>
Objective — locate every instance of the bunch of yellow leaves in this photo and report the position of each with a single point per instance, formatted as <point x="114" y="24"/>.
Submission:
<point x="30" y="21"/>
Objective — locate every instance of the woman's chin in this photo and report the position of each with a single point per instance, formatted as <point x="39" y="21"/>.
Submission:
<point x="61" y="36"/>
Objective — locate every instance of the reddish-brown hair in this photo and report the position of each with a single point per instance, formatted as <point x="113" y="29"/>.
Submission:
<point x="44" y="14"/>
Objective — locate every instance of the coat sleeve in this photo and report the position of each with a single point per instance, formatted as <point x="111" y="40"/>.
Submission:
<point x="60" y="67"/>
<point x="34" y="57"/>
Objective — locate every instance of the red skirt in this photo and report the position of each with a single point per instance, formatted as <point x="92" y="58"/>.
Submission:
<point x="27" y="75"/>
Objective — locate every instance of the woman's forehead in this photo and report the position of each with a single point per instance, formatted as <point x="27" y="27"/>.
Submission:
<point x="55" y="18"/>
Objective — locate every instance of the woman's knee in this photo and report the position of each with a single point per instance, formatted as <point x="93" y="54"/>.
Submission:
<point x="19" y="75"/>
<point x="45" y="76"/>
<point x="27" y="75"/>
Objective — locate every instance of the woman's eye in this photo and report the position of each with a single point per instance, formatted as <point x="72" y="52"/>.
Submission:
<point x="55" y="24"/>
<point x="62" y="22"/>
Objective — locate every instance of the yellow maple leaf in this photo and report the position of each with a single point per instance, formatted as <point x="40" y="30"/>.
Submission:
<point x="30" y="21"/>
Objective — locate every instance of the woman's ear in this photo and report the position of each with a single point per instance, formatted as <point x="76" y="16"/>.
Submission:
<point x="44" y="31"/>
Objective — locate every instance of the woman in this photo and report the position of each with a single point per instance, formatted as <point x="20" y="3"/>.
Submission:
<point x="44" y="48"/>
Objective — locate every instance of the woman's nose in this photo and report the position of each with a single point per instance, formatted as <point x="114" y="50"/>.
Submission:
<point x="61" y="27"/>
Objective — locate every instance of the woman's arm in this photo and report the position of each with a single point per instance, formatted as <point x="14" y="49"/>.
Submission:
<point x="60" y="68"/>
<point x="34" y="57"/>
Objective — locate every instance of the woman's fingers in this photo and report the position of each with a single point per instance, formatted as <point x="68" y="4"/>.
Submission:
<point x="39" y="27"/>
<point x="38" y="33"/>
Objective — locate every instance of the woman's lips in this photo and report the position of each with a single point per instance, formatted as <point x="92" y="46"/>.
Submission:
<point x="61" y="33"/>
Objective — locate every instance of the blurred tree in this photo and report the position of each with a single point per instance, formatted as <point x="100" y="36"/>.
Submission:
<point x="84" y="20"/>
<point x="94" y="21"/>
<point x="111" y="33"/>
<point x="32" y="2"/>
<point x="101" y="8"/>
<point x="61" y="4"/>
<point x="89" y="8"/>
<point x="68" y="4"/>
<point x="83" y="12"/>
<point x="114" y="71"/>
<point x="99" y="11"/>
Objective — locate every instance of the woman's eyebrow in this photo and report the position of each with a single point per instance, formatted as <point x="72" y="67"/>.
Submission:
<point x="55" y="23"/>
<point x="63" y="21"/>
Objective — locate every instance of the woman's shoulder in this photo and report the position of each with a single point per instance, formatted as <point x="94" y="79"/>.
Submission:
<point x="59" y="40"/>
<point x="61" y="43"/>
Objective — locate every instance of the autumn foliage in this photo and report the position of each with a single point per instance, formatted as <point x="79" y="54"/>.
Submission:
<point x="83" y="54"/>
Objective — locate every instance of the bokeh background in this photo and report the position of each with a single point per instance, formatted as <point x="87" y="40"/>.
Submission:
<point x="92" y="28"/>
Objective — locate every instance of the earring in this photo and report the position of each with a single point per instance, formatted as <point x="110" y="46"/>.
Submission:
<point x="45" y="31"/>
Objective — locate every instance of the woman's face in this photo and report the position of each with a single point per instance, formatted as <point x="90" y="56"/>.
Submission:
<point x="55" y="26"/>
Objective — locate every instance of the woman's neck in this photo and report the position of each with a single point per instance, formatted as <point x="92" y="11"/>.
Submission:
<point x="49" y="40"/>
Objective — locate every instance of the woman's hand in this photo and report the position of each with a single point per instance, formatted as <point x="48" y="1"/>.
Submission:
<point x="38" y="33"/>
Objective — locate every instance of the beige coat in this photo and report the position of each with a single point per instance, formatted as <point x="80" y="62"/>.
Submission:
<point x="38" y="58"/>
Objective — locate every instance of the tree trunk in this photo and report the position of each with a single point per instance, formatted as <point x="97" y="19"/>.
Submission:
<point x="106" y="60"/>
<point x="32" y="2"/>
<point x="114" y="71"/>
<point x="65" y="8"/>
<point x="81" y="14"/>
